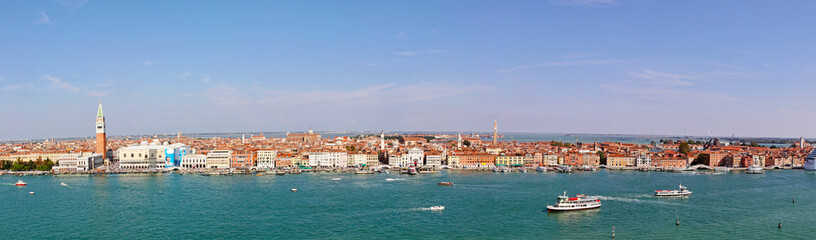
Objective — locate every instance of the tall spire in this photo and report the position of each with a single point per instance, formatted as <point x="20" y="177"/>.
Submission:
<point x="495" y="131"/>
<point x="99" y="113"/>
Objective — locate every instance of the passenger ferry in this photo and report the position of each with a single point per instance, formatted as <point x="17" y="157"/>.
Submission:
<point x="683" y="191"/>
<point x="756" y="170"/>
<point x="412" y="170"/>
<point x="579" y="202"/>
<point x="810" y="161"/>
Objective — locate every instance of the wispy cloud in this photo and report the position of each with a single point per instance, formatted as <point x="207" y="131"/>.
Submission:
<point x="57" y="83"/>
<point x="44" y="19"/>
<point x="667" y="94"/>
<point x="14" y="87"/>
<point x="223" y="94"/>
<point x="148" y="63"/>
<point x="185" y="74"/>
<point x="564" y="64"/>
<point x="205" y="79"/>
<point x="585" y="3"/>
<point x="402" y="35"/>
<point x="73" y="4"/>
<point x="98" y="93"/>
<point x="417" y="53"/>
<point x="762" y="53"/>
<point x="664" y="78"/>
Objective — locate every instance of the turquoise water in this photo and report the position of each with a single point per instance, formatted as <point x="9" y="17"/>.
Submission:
<point x="480" y="205"/>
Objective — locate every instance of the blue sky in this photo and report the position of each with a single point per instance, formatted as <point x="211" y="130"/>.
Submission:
<point x="580" y="66"/>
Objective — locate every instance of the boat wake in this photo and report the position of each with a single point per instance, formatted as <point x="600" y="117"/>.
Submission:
<point x="394" y="179"/>
<point x="434" y="208"/>
<point x="632" y="200"/>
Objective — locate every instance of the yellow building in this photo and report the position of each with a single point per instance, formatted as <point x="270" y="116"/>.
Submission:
<point x="510" y="161"/>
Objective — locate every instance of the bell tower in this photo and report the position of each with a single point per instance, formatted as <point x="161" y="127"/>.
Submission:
<point x="101" y="141"/>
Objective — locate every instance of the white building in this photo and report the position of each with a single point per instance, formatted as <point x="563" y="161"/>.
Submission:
<point x="328" y="159"/>
<point x="433" y="160"/>
<point x="357" y="160"/>
<point x="219" y="159"/>
<point x="151" y="156"/>
<point x="549" y="159"/>
<point x="79" y="162"/>
<point x="415" y="157"/>
<point x="395" y="160"/>
<point x="644" y="160"/>
<point x="265" y="159"/>
<point x="194" y="161"/>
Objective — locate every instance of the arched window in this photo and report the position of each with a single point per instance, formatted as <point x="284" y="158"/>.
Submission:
<point x="131" y="155"/>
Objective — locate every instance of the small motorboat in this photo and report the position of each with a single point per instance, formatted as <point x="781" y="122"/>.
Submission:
<point x="280" y="173"/>
<point x="294" y="189"/>
<point x="541" y="169"/>
<point x="30" y="193"/>
<point x="437" y="208"/>
<point x="336" y="179"/>
<point x="20" y="183"/>
<point x="683" y="191"/>
<point x="445" y="183"/>
<point x="523" y="170"/>
<point x="63" y="184"/>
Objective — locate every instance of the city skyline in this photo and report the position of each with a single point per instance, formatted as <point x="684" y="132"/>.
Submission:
<point x="580" y="66"/>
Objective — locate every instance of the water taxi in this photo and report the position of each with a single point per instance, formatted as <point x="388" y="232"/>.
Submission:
<point x="683" y="191"/>
<point x="445" y="183"/>
<point x="579" y="202"/>
<point x="19" y="183"/>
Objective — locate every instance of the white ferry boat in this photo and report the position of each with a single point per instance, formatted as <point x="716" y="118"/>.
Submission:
<point x="683" y="191"/>
<point x="810" y="161"/>
<point x="579" y="202"/>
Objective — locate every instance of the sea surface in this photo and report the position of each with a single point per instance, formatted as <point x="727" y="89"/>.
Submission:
<point x="481" y="205"/>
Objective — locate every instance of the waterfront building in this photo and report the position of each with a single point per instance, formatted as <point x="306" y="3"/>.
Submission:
<point x="591" y="159"/>
<point x="328" y="159"/>
<point x="265" y="159"/>
<point x="79" y="162"/>
<point x="515" y="161"/>
<point x="669" y="163"/>
<point x="395" y="160"/>
<point x="372" y="159"/>
<point x="529" y="160"/>
<point x="618" y="160"/>
<point x="477" y="160"/>
<point x="357" y="160"/>
<point x="152" y="155"/>
<point x="101" y="141"/>
<point x="219" y="159"/>
<point x="433" y="159"/>
<point x="644" y="161"/>
<point x="286" y="160"/>
<point x="550" y="159"/>
<point x="758" y="160"/>
<point x="415" y="157"/>
<point x="241" y="160"/>
<point x="454" y="161"/>
<point x="194" y="161"/>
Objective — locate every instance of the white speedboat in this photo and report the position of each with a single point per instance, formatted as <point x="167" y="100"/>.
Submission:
<point x="19" y="183"/>
<point x="437" y="208"/>
<point x="754" y="170"/>
<point x="541" y="169"/>
<point x="683" y="191"/>
<point x="579" y="202"/>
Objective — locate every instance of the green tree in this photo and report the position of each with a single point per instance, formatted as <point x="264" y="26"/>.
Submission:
<point x="793" y="145"/>
<point x="701" y="158"/>
<point x="18" y="165"/>
<point x="754" y="144"/>
<point x="602" y="155"/>
<point x="684" y="148"/>
<point x="773" y="146"/>
<point x="466" y="143"/>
